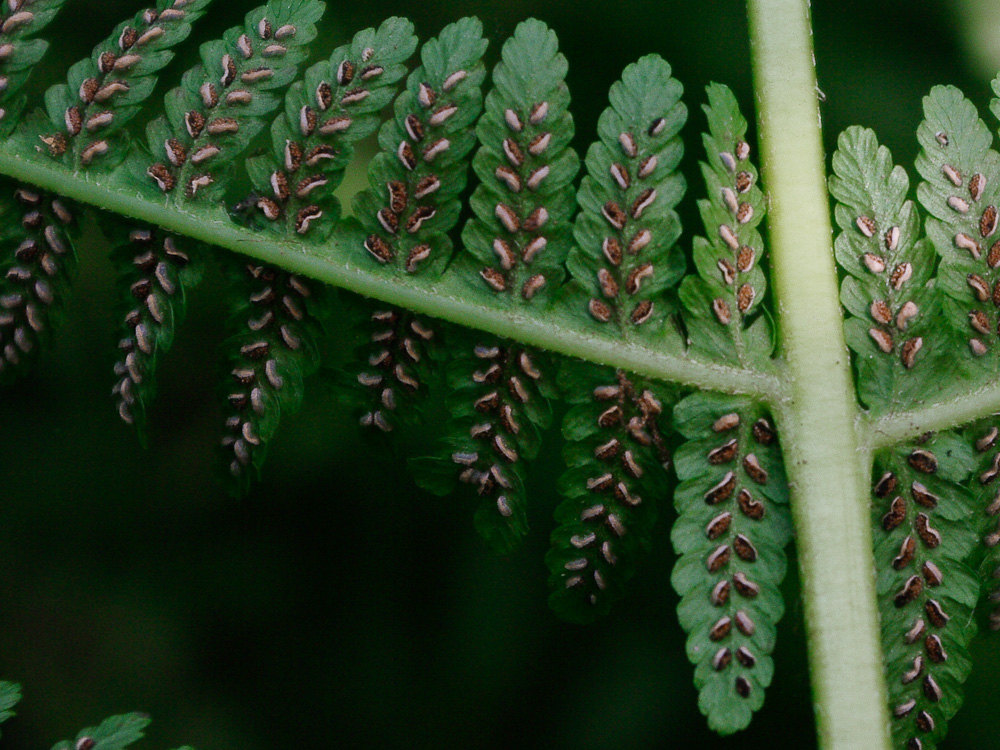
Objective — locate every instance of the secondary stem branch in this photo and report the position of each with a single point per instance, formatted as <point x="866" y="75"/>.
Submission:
<point x="827" y="469"/>
<point x="953" y="411"/>
<point x="342" y="262"/>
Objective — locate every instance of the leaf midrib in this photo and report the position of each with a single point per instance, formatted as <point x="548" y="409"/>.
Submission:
<point x="448" y="297"/>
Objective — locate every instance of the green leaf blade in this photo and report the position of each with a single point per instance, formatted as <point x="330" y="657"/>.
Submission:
<point x="922" y="516"/>
<point x="271" y="350"/>
<point x="157" y="270"/>
<point x="415" y="182"/>
<point x="10" y="696"/>
<point x="733" y="525"/>
<point x="983" y="436"/>
<point x="616" y="456"/>
<point x="500" y="403"/>
<point x="961" y="191"/>
<point x="900" y="346"/>
<point x="523" y="206"/>
<point x="724" y="300"/>
<point x="396" y="366"/>
<point x="114" y="733"/>
<point x="627" y="227"/>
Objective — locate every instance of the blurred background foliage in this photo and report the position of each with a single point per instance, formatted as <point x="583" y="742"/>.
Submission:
<point x="340" y="606"/>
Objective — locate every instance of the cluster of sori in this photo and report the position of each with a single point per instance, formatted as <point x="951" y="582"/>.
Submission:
<point x="607" y="254"/>
<point x="917" y="293"/>
<point x="617" y="458"/>
<point x="37" y="272"/>
<point x="254" y="128"/>
<point x="927" y="593"/>
<point x="733" y="525"/>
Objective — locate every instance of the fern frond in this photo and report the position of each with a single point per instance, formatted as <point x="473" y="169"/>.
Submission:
<point x="986" y="501"/>
<point x="732" y="527"/>
<point x="616" y="457"/>
<point x="337" y="105"/>
<point x="222" y="104"/>
<point x="516" y="244"/>
<point x="270" y="352"/>
<point x="961" y="191"/>
<point x="499" y="401"/>
<point x="499" y="406"/>
<point x="721" y="303"/>
<point x="20" y="20"/>
<point x="421" y="169"/>
<point x="10" y="696"/>
<point x="922" y="516"/>
<point x="156" y="271"/>
<point x="106" y="91"/>
<point x="893" y="324"/>
<point x="37" y="266"/>
<point x="412" y="204"/>
<point x="524" y="203"/>
<point x="114" y="733"/>
<point x="399" y="370"/>
<point x="627" y="227"/>
<point x="208" y="127"/>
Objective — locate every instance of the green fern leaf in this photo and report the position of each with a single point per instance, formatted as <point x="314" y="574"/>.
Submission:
<point x="893" y="325"/>
<point x="223" y="103"/>
<point x="961" y="191"/>
<point x="208" y="126"/>
<point x="10" y="696"/>
<point x="156" y="271"/>
<point x="270" y="351"/>
<point x="524" y="203"/>
<point x="337" y="105"/>
<point x="19" y="53"/>
<point x="517" y="244"/>
<point x="983" y="436"/>
<point x="398" y="351"/>
<point x="114" y="733"/>
<point x="421" y="170"/>
<point x="499" y="403"/>
<point x="922" y="517"/>
<point x="38" y="264"/>
<point x="412" y="204"/>
<point x="721" y="303"/>
<point x="106" y="91"/>
<point x="627" y="227"/>
<point x="732" y="527"/>
<point x="616" y="456"/>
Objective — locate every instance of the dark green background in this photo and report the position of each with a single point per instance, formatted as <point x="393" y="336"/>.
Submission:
<point x="339" y="606"/>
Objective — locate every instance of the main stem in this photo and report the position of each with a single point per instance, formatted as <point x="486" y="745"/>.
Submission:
<point x="828" y="471"/>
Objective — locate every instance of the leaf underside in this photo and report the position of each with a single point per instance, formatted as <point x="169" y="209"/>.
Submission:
<point x="254" y="129"/>
<point x="733" y="524"/>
